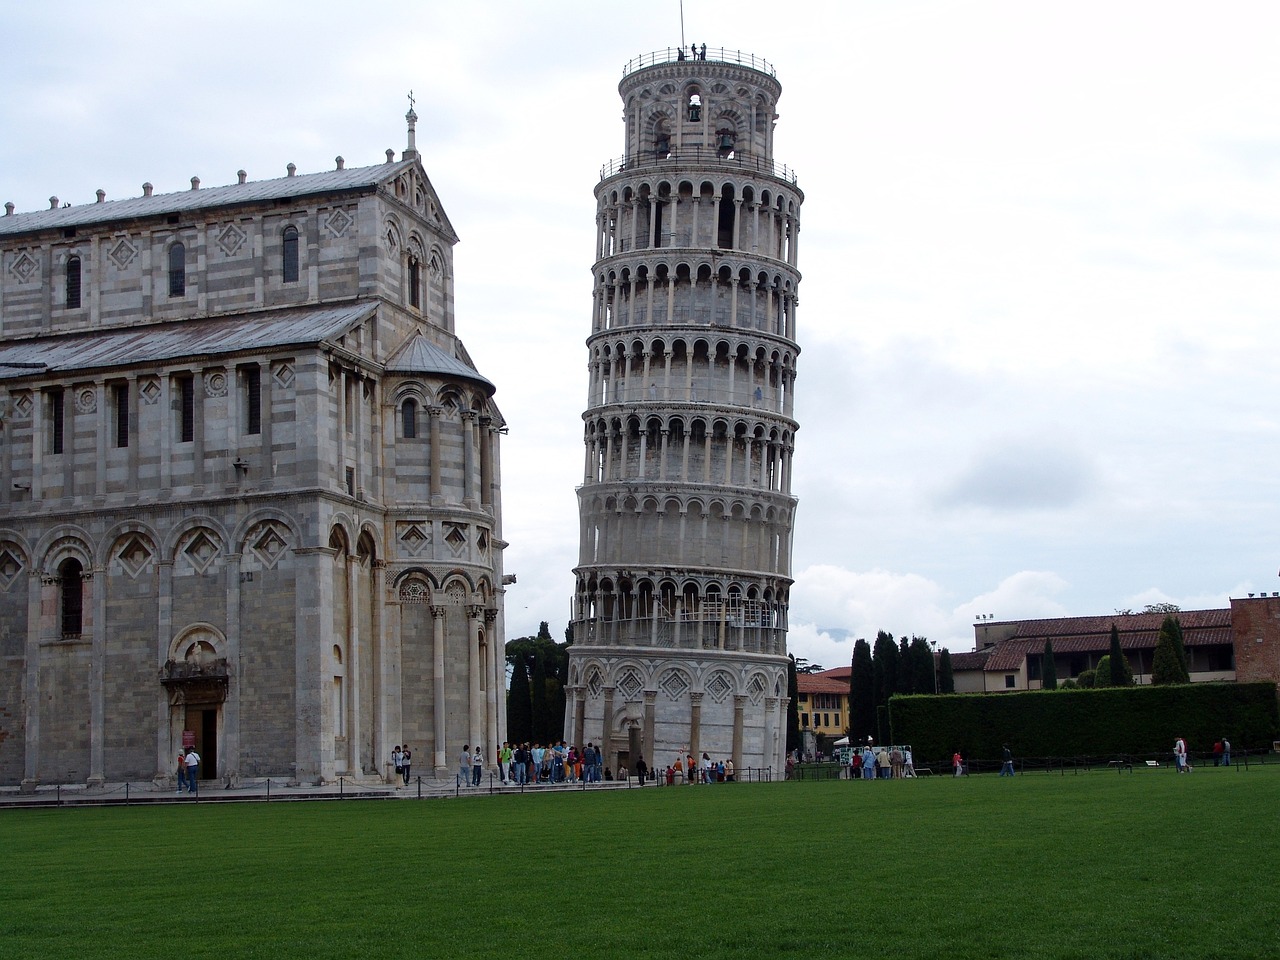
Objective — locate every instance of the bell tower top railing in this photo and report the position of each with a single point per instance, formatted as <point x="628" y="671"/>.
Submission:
<point x="718" y="55"/>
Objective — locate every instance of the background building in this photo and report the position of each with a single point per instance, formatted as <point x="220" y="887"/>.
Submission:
<point x="249" y="484"/>
<point x="680" y="610"/>
<point x="1009" y="654"/>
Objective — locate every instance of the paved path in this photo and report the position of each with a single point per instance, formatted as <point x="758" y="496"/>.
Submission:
<point x="115" y="794"/>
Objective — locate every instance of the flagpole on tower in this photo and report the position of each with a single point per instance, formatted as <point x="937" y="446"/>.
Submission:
<point x="682" y="24"/>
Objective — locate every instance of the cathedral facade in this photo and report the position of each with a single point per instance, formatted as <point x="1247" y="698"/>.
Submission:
<point x="249" y="484"/>
<point x="682" y="585"/>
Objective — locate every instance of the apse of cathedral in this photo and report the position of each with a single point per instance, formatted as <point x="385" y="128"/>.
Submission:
<point x="249" y="495"/>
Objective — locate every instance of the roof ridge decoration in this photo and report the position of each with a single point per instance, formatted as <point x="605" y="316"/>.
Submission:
<point x="152" y="204"/>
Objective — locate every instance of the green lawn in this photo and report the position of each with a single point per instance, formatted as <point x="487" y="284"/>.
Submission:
<point x="1098" y="865"/>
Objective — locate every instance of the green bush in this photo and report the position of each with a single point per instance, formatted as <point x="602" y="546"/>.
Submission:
<point x="1083" y="722"/>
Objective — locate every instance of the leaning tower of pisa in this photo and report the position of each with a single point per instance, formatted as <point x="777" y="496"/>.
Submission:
<point x="684" y="570"/>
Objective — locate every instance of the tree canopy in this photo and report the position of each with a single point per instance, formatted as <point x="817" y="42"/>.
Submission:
<point x="546" y="669"/>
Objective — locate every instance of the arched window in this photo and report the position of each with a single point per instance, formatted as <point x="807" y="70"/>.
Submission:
<point x="409" y="418"/>
<point x="415" y="282"/>
<point x="73" y="283"/>
<point x="290" y="255"/>
<point x="70" y="597"/>
<point x="177" y="270"/>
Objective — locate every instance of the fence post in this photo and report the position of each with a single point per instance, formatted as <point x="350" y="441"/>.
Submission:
<point x="268" y="789"/>
<point x="126" y="793"/>
<point x="341" y="781"/>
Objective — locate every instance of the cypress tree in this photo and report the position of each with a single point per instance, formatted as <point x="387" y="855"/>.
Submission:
<point x="1048" y="671"/>
<point x="923" y="678"/>
<point x="862" y="695"/>
<point x="1169" y="664"/>
<point x="1180" y="648"/>
<point x="906" y="680"/>
<point x="519" y="706"/>
<point x="884" y="661"/>
<point x="541" y="709"/>
<point x="946" y="680"/>
<point x="793" y="708"/>
<point x="1121" y="674"/>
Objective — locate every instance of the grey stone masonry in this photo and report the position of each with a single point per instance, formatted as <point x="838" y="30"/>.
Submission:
<point x="249" y="486"/>
<point x="684" y="561"/>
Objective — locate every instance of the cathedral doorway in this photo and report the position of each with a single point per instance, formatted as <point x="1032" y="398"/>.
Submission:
<point x="202" y="721"/>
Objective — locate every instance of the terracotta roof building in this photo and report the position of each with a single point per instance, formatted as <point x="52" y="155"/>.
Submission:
<point x="1009" y="654"/>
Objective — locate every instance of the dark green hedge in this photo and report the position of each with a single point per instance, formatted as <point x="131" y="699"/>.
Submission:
<point x="1071" y="723"/>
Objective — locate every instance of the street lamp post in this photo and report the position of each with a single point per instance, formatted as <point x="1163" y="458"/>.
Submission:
<point x="934" y="645"/>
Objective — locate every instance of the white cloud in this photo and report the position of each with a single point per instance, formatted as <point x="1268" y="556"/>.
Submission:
<point x="1039" y="276"/>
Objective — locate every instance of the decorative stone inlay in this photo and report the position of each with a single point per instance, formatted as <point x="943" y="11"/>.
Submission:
<point x="215" y="384"/>
<point x="10" y="568"/>
<point x="24" y="267"/>
<point x="456" y="594"/>
<point x="231" y="239"/>
<point x="595" y="684"/>
<point x="455" y="537"/>
<point x="415" y="591"/>
<point x="482" y="542"/>
<point x="755" y="689"/>
<point x="267" y="540"/>
<point x="86" y="400"/>
<point x="149" y="391"/>
<point x="629" y="685"/>
<point x="413" y="536"/>
<point x="337" y="222"/>
<point x="282" y="372"/>
<point x="673" y="684"/>
<point x="134" y="556"/>
<point x="719" y="687"/>
<point x="201" y="550"/>
<point x="22" y="405"/>
<point x="122" y="253"/>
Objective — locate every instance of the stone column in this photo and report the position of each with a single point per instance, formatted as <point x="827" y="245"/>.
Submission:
<point x="437" y="702"/>
<point x="769" y="754"/>
<point x="695" y="722"/>
<point x="739" y="706"/>
<point x="378" y="662"/>
<point x="486" y="462"/>
<point x="475" y="705"/>
<point x="579" y="695"/>
<point x="606" y="723"/>
<point x="229" y="753"/>
<point x="492" y="686"/>
<point x="313" y="630"/>
<point x="353" y="666"/>
<point x="165" y="745"/>
<point x="436" y="491"/>
<point x="41" y="596"/>
<point x="97" y="674"/>
<point x="650" y="701"/>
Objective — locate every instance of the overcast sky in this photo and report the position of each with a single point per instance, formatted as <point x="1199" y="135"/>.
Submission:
<point x="1041" y="287"/>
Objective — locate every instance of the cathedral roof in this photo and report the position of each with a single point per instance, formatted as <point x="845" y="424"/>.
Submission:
<point x="129" y="346"/>
<point x="280" y="188"/>
<point x="420" y="356"/>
